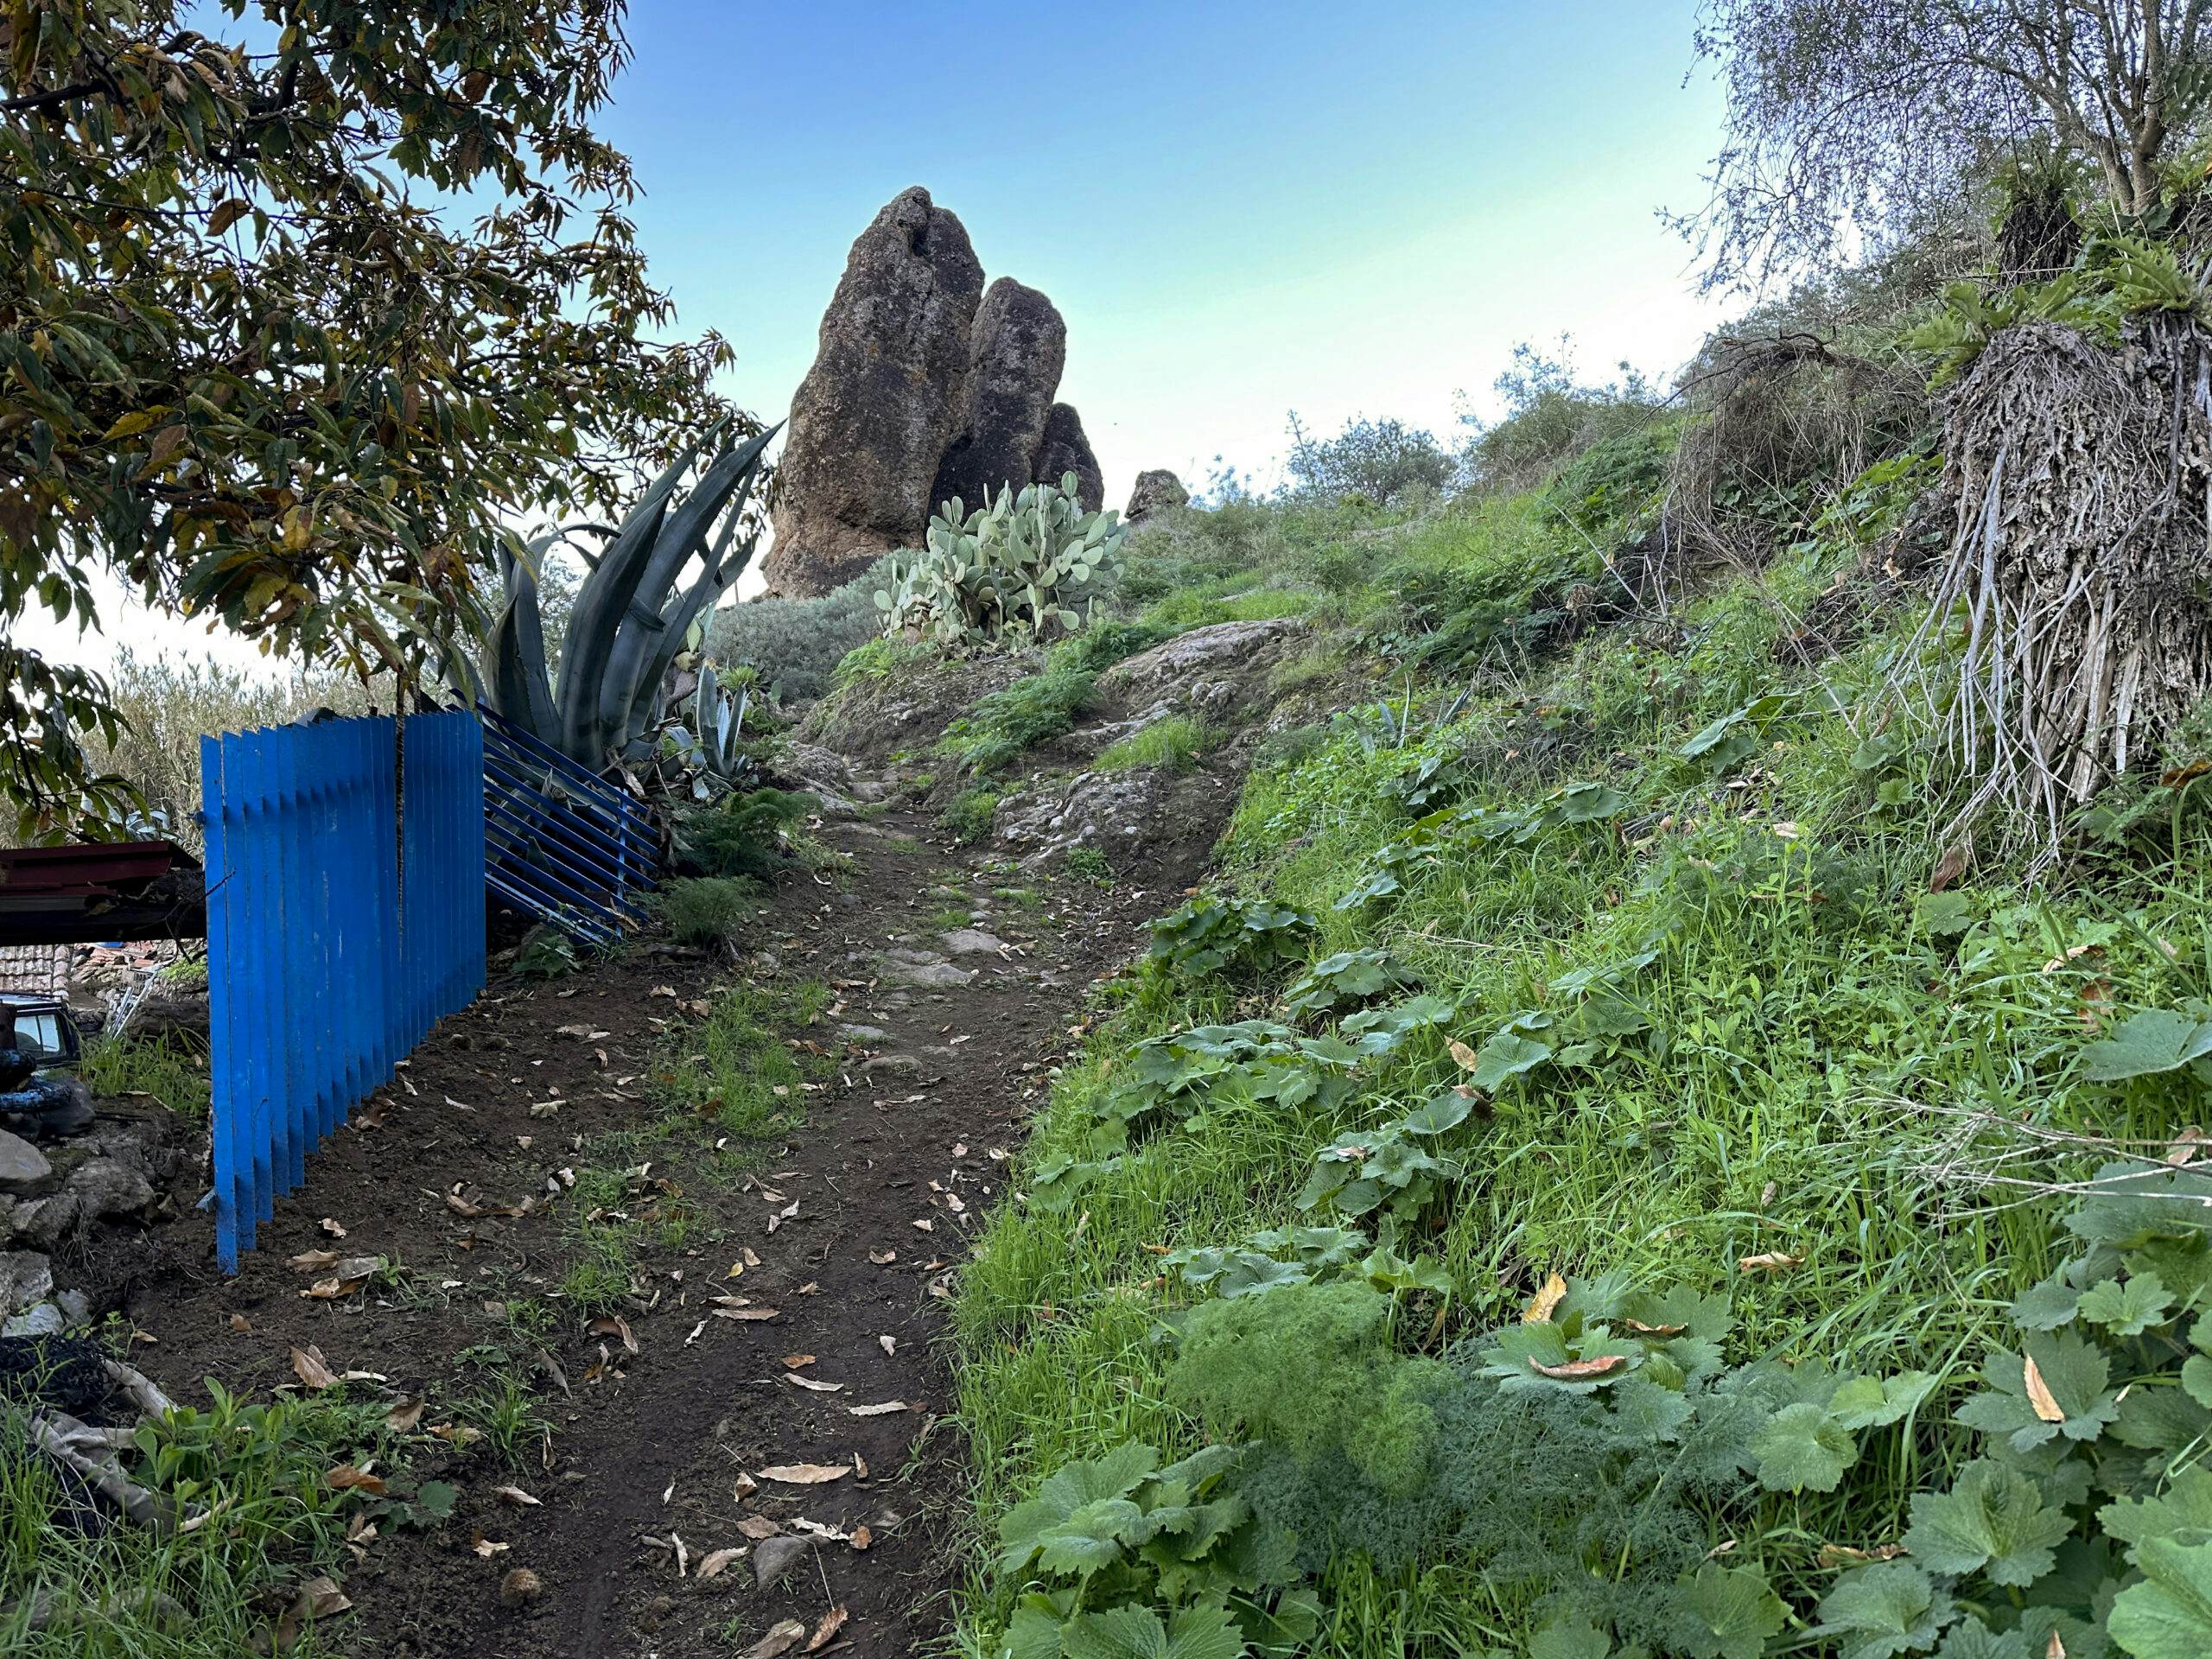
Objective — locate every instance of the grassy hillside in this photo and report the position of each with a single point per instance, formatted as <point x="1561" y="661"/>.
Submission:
<point x="1586" y="996"/>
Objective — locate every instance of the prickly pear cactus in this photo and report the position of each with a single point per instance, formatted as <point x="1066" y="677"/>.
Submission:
<point x="1018" y="569"/>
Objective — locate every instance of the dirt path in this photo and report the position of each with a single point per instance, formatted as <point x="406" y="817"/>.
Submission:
<point x="930" y="1051"/>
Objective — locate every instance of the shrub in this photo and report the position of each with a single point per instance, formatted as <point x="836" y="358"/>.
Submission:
<point x="707" y="910"/>
<point x="1018" y="717"/>
<point x="967" y="817"/>
<point x="1013" y="570"/>
<point x="744" y="834"/>
<point x="1551" y="416"/>
<point x="1381" y="460"/>
<point x="797" y="644"/>
<point x="1101" y="646"/>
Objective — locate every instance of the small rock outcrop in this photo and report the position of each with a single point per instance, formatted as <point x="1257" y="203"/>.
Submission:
<point x="1018" y="348"/>
<point x="1155" y="491"/>
<point x="870" y="422"/>
<point x="1066" y="450"/>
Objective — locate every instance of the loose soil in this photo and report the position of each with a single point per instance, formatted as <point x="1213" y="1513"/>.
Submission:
<point x="849" y="1224"/>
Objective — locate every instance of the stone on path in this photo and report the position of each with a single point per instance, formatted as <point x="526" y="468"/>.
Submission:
<point x="22" y="1166"/>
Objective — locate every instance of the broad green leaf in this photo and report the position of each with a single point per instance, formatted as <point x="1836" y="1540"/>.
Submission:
<point x="1732" y="1612"/>
<point x="2185" y="1506"/>
<point x="1134" y="1632"/>
<point x="2073" y="1371"/>
<point x="1890" y="1609"/>
<point x="2127" y="1309"/>
<point x="1874" y="1402"/>
<point x="2169" y="1615"/>
<point x="2158" y="1040"/>
<point x="1973" y="1639"/>
<point x="1571" y="1639"/>
<point x="1439" y="1114"/>
<point x="1090" y="1538"/>
<point x="1802" y="1448"/>
<point x="1993" y="1520"/>
<point x="2047" y="1305"/>
<point x="1507" y="1055"/>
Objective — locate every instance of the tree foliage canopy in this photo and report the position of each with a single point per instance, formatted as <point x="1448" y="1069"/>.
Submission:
<point x="1860" y="118"/>
<point x="295" y="323"/>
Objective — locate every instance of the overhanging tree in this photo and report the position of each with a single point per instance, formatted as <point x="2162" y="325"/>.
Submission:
<point x="296" y="324"/>
<point x="1857" y="119"/>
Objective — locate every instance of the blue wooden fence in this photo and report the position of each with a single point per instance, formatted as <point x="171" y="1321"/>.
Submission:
<point x="345" y="916"/>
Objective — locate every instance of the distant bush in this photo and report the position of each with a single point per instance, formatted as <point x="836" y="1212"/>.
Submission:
<point x="796" y="643"/>
<point x="708" y="910"/>
<point x="1551" y="416"/>
<point x="1382" y="461"/>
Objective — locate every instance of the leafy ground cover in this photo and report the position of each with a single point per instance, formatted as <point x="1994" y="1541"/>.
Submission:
<point x="1550" y="1191"/>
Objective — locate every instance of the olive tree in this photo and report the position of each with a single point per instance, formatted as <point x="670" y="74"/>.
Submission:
<point x="294" y="323"/>
<point x="1849" y="121"/>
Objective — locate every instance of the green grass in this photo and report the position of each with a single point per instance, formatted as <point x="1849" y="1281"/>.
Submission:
<point x="1173" y="744"/>
<point x="1798" y="1008"/>
<point x="967" y="817"/>
<point x="173" y="1070"/>
<point x="708" y="910"/>
<point x="1006" y="723"/>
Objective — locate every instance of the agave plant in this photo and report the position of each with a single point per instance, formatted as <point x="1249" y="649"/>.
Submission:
<point x="707" y="752"/>
<point x="631" y="618"/>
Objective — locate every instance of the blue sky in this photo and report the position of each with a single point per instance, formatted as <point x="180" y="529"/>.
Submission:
<point x="1242" y="208"/>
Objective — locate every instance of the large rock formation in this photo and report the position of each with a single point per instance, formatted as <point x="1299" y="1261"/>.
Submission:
<point x="870" y="422"/>
<point x="1155" y="491"/>
<point x="1018" y="347"/>
<point x="1066" y="450"/>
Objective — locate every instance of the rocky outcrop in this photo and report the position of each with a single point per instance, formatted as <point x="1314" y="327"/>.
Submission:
<point x="1155" y="491"/>
<point x="1066" y="450"/>
<point x="1018" y="347"/>
<point x="870" y="422"/>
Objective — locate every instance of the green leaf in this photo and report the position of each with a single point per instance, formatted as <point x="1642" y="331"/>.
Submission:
<point x="1890" y="1609"/>
<point x="2128" y="1309"/>
<point x="2072" y="1369"/>
<point x="1802" y="1448"/>
<point x="1571" y="1639"/>
<point x="2185" y="1506"/>
<point x="1732" y="1612"/>
<point x="1974" y="1640"/>
<point x="1507" y="1055"/>
<point x="1874" y="1402"/>
<point x="1137" y="1633"/>
<point x="2169" y="1615"/>
<point x="436" y="1499"/>
<point x="2047" y="1305"/>
<point x="1992" y="1520"/>
<point x="1439" y="1114"/>
<point x="1089" y="1539"/>
<point x="2158" y="1040"/>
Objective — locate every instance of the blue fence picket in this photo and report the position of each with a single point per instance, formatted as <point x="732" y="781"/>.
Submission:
<point x="346" y="875"/>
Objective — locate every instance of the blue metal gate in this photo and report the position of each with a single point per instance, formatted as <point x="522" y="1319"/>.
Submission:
<point x="562" y="843"/>
<point x="345" y="867"/>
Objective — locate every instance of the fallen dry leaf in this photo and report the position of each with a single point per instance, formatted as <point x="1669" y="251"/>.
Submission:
<point x="781" y="1635"/>
<point x="516" y="1496"/>
<point x="1539" y="1311"/>
<point x="615" y="1325"/>
<point x="2047" y="1409"/>
<point x="832" y="1622"/>
<point x="241" y="1324"/>
<point x="1466" y="1057"/>
<point x="1578" y="1371"/>
<point x="308" y="1364"/>
<point x="347" y="1477"/>
<point x="810" y="1384"/>
<point x="402" y="1417"/>
<point x="320" y="1597"/>
<point x="312" y="1260"/>
<point x="925" y="1225"/>
<point x="883" y="1410"/>
<point x="863" y="1538"/>
<point x="1644" y="1330"/>
<point x="889" y="1344"/>
<point x="457" y="1434"/>
<point x="333" y="1227"/>
<point x="883" y="1258"/>
<point x="805" y="1474"/>
<point x="487" y="1547"/>
<point x="859" y="1465"/>
<point x="744" y="1313"/>
<point x="711" y="1565"/>
<point x="2184" y="1145"/>
<point x="1770" y="1262"/>
<point x="757" y="1526"/>
<point x="794" y="1361"/>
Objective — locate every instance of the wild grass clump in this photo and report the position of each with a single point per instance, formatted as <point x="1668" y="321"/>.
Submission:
<point x="1173" y="744"/>
<point x="171" y="1069"/>
<point x="708" y="910"/>
<point x="1014" y="719"/>
<point x="746" y="833"/>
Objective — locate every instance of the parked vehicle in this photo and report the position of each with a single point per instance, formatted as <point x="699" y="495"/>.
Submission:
<point x="39" y="1040"/>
